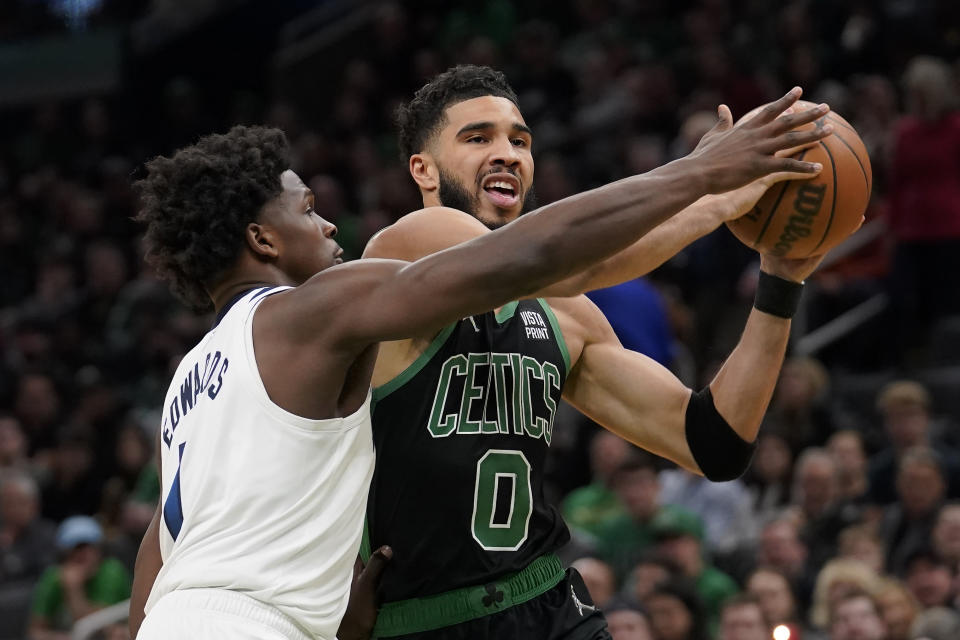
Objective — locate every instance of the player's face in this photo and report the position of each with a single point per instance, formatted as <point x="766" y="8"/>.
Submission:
<point x="484" y="160"/>
<point x="306" y="239"/>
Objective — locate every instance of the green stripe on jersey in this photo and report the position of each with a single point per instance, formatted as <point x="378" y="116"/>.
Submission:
<point x="556" y="332"/>
<point x="389" y="387"/>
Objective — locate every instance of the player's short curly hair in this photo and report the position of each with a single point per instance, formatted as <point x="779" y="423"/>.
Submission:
<point x="196" y="205"/>
<point x="422" y="117"/>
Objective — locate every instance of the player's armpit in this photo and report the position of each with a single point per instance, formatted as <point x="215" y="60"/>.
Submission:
<point x="627" y="392"/>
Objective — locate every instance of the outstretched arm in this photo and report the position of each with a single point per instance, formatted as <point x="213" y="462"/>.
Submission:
<point x="430" y="230"/>
<point x="386" y="301"/>
<point x="643" y="402"/>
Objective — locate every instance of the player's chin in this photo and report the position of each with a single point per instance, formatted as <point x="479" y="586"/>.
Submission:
<point x="496" y="217"/>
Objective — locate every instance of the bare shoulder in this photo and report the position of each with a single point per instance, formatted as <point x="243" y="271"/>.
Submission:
<point x="307" y="312"/>
<point x="581" y="322"/>
<point x="423" y="232"/>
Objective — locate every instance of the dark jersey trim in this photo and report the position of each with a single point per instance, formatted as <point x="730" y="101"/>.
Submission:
<point x="557" y="334"/>
<point x="404" y="376"/>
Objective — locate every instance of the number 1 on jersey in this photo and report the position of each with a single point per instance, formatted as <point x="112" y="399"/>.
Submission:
<point x="503" y="529"/>
<point x="173" y="507"/>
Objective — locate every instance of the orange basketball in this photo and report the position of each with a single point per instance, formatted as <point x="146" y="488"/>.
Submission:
<point x="801" y="218"/>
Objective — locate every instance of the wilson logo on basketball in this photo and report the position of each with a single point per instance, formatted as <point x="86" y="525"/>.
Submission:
<point x="805" y="206"/>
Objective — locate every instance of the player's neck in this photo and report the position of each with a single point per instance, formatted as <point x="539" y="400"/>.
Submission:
<point x="227" y="291"/>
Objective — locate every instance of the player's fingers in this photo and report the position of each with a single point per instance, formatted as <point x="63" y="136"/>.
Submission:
<point x="782" y="176"/>
<point x="799" y="118"/>
<point x="375" y="566"/>
<point x="793" y="139"/>
<point x="808" y="169"/>
<point x="792" y="151"/>
<point x="726" y="118"/>
<point x="357" y="568"/>
<point x="774" y="109"/>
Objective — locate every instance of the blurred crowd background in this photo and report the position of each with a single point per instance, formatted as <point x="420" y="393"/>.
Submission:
<point x="845" y="525"/>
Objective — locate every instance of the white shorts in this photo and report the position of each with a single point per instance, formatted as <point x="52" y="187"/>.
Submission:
<point x="214" y="614"/>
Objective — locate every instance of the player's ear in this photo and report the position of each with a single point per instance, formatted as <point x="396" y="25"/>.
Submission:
<point x="424" y="171"/>
<point x="262" y="241"/>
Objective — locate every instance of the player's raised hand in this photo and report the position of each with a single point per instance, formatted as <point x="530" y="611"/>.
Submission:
<point x="730" y="156"/>
<point x="361" y="615"/>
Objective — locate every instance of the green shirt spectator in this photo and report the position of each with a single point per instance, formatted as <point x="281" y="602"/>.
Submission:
<point x="82" y="583"/>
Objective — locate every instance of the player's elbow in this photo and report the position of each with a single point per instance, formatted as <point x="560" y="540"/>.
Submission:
<point x="717" y="448"/>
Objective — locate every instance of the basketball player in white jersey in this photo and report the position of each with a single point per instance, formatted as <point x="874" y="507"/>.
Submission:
<point x="265" y="444"/>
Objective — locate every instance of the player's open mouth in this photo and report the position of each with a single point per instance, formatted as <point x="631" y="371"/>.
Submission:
<point x="503" y="190"/>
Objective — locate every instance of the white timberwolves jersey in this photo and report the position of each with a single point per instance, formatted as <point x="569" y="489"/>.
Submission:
<point x="255" y="499"/>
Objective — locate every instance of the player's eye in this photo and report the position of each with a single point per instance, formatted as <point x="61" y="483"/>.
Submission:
<point x="519" y="142"/>
<point x="476" y="139"/>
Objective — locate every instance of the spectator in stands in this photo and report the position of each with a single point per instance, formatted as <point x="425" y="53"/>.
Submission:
<point x="946" y="534"/>
<point x="782" y="549"/>
<point x="925" y="200"/>
<point x="73" y="486"/>
<point x="797" y="411"/>
<point x="898" y="608"/>
<point x="741" y="618"/>
<point x="598" y="578"/>
<point x="13" y="445"/>
<point x="837" y="579"/>
<point x="818" y="504"/>
<point x="905" y="408"/>
<point x="83" y="582"/>
<point x="846" y="447"/>
<point x="26" y="539"/>
<point x="907" y="524"/>
<point x="676" y="612"/>
<point x="37" y="405"/>
<point x="679" y="535"/>
<point x="772" y="590"/>
<point x="638" y="315"/>
<point x="861" y="542"/>
<point x="855" y="616"/>
<point x="929" y="578"/>
<point x="650" y="570"/>
<point x="938" y="623"/>
<point x="769" y="476"/>
<point x="587" y="508"/>
<point x="725" y="508"/>
<point x="627" y="622"/>
<point x="622" y="540"/>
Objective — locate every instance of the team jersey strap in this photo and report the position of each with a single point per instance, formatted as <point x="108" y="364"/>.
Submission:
<point x="453" y="607"/>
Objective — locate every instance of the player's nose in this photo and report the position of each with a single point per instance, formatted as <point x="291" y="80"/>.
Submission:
<point x="329" y="229"/>
<point x="503" y="152"/>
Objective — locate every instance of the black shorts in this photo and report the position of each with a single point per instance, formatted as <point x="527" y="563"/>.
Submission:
<point x="565" y="612"/>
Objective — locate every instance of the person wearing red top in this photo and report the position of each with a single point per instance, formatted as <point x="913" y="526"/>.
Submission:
<point x="925" y="200"/>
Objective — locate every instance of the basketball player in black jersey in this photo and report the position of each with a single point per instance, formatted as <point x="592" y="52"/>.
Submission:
<point x="463" y="417"/>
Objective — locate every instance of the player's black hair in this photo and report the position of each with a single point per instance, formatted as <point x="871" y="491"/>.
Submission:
<point x="422" y="117"/>
<point x="196" y="205"/>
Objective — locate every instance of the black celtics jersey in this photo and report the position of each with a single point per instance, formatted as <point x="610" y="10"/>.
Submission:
<point x="461" y="439"/>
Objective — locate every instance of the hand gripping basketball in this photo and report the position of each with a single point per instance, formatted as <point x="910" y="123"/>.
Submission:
<point x="730" y="156"/>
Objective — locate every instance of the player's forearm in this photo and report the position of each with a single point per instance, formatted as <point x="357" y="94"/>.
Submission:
<point x="646" y="254"/>
<point x="744" y="385"/>
<point x="148" y="564"/>
<point x="569" y="235"/>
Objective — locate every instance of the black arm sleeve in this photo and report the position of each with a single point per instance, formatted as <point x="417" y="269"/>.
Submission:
<point x="719" y="451"/>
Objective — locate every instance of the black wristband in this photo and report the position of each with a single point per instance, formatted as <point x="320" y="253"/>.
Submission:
<point x="777" y="296"/>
